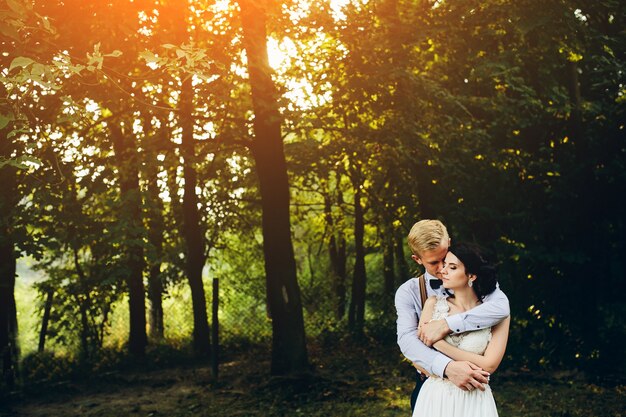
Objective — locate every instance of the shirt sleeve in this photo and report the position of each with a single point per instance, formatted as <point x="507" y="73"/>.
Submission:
<point x="494" y="308"/>
<point x="408" y="306"/>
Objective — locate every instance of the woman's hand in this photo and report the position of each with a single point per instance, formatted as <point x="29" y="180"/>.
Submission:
<point x="433" y="331"/>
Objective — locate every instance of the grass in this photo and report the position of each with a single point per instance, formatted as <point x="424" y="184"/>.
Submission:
<point x="350" y="379"/>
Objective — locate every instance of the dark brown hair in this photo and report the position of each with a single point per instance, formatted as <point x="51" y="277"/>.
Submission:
<point x="475" y="261"/>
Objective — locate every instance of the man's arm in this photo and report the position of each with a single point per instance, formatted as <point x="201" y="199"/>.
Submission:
<point x="463" y="374"/>
<point x="412" y="348"/>
<point x="491" y="358"/>
<point x="494" y="309"/>
<point x="466" y="375"/>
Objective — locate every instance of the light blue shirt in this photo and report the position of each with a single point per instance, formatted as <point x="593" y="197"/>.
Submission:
<point x="494" y="308"/>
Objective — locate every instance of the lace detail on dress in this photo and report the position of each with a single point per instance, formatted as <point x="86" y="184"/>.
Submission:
<point x="441" y="308"/>
<point x="441" y="398"/>
<point x="475" y="342"/>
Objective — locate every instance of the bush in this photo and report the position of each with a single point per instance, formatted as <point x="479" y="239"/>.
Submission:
<point x="45" y="367"/>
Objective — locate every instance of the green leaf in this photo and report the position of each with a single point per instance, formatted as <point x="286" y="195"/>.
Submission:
<point x="46" y="22"/>
<point x="16" y="132"/>
<point x="23" y="162"/>
<point x="115" y="53"/>
<point x="608" y="50"/>
<point x="149" y="56"/>
<point x="5" y="120"/>
<point x="30" y="160"/>
<point x="38" y="70"/>
<point x="20" y="62"/>
<point x="16" y="7"/>
<point x="10" y="30"/>
<point x="76" y="69"/>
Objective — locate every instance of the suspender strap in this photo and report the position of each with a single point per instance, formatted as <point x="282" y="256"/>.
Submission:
<point x="422" y="282"/>
<point x="423" y="296"/>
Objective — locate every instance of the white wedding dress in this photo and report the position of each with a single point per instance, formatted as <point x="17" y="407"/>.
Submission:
<point x="440" y="397"/>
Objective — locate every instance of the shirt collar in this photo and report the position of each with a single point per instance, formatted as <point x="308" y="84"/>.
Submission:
<point x="428" y="276"/>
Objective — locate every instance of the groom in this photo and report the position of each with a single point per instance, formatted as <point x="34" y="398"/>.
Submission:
<point x="429" y="242"/>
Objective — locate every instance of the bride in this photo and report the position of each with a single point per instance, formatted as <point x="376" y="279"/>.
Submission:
<point x="470" y="278"/>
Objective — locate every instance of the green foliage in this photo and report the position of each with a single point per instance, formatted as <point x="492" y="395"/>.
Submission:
<point x="502" y="118"/>
<point x="46" y="367"/>
<point x="27" y="309"/>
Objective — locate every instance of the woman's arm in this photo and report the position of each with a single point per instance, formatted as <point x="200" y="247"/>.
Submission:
<point x="428" y="310"/>
<point x="493" y="354"/>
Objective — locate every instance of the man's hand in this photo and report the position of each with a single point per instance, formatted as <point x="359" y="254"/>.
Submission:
<point x="466" y="375"/>
<point x="421" y="370"/>
<point x="433" y="331"/>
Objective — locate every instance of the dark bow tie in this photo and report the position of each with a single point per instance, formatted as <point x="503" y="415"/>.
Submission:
<point x="435" y="283"/>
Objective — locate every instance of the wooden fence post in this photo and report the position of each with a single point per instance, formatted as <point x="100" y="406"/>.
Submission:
<point x="215" y="328"/>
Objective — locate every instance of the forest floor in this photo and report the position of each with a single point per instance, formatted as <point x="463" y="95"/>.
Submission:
<point x="364" y="382"/>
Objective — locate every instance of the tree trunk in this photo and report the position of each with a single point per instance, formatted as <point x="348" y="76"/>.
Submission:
<point x="8" y="311"/>
<point x="155" y="280"/>
<point x="401" y="264"/>
<point x="289" y="353"/>
<point x="389" y="275"/>
<point x="356" y="314"/>
<point x="215" y="345"/>
<point x="130" y="214"/>
<point x="194" y="239"/>
<point x="43" y="332"/>
<point x="85" y="344"/>
<point x="155" y="296"/>
<point x="156" y="229"/>
<point x="426" y="192"/>
<point x="337" y="254"/>
<point x="591" y="211"/>
<point x="342" y="273"/>
<point x="83" y="301"/>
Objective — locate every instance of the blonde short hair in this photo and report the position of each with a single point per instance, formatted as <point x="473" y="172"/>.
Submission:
<point x="427" y="235"/>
